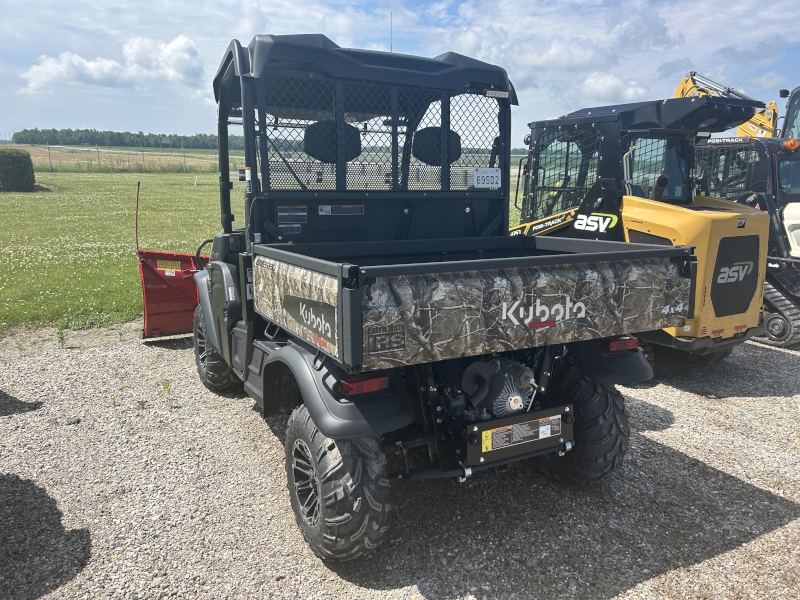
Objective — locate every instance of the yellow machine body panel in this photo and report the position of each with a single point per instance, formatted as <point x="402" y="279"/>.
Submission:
<point x="730" y="242"/>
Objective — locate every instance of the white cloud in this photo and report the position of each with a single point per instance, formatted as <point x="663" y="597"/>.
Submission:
<point x="772" y="81"/>
<point x="146" y="61"/>
<point x="607" y="87"/>
<point x="568" y="54"/>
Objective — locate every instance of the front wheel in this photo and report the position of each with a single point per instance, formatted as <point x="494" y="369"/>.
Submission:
<point x="214" y="372"/>
<point x="600" y="428"/>
<point x="339" y="489"/>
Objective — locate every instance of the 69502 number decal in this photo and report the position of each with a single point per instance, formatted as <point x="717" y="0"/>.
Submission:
<point x="487" y="177"/>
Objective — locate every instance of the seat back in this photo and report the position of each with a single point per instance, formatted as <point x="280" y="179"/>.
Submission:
<point x="791" y="222"/>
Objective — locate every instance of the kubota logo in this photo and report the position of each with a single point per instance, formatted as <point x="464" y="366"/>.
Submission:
<point x="548" y="316"/>
<point x="735" y="273"/>
<point x="596" y="222"/>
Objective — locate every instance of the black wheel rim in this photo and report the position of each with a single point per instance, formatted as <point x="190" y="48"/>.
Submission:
<point x="200" y="343"/>
<point x="777" y="328"/>
<point x="306" y="483"/>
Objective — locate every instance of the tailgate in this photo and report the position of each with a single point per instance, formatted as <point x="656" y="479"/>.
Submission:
<point x="412" y="319"/>
<point x="169" y="293"/>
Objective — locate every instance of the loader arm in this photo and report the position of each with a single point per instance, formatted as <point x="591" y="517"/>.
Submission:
<point x="764" y="122"/>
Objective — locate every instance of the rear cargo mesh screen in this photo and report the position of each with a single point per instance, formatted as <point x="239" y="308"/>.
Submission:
<point x="325" y="135"/>
<point x="564" y="169"/>
<point x="724" y="169"/>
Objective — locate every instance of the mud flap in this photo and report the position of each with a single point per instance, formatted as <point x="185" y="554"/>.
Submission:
<point x="169" y="293"/>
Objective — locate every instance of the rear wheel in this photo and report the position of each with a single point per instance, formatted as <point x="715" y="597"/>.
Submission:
<point x="214" y="372"/>
<point x="339" y="489"/>
<point x="782" y="323"/>
<point x="600" y="428"/>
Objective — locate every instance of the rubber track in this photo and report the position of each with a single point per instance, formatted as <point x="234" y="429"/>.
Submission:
<point x="601" y="433"/>
<point x="355" y="491"/>
<point x="790" y="312"/>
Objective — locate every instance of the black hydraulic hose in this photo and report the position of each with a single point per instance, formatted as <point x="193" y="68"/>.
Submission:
<point x="480" y="393"/>
<point x="198" y="262"/>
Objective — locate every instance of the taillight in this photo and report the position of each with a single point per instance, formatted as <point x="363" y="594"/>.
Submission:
<point x="363" y="384"/>
<point x="627" y="342"/>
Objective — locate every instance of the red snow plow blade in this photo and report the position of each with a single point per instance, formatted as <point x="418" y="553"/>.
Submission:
<point x="169" y="292"/>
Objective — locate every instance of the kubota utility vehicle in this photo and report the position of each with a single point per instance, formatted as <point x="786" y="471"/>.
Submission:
<point x="373" y="293"/>
<point x="627" y="173"/>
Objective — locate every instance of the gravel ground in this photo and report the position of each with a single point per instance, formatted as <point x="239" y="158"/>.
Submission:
<point x="121" y="476"/>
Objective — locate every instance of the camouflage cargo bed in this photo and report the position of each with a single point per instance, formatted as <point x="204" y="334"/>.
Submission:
<point x="398" y="303"/>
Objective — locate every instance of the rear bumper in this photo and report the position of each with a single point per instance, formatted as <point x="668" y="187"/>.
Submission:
<point x="702" y="345"/>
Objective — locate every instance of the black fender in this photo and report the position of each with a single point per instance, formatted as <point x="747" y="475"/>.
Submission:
<point x="218" y="288"/>
<point x="336" y="415"/>
<point x="627" y="366"/>
<point x="204" y="293"/>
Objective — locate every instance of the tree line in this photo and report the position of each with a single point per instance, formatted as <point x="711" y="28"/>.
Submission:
<point x="93" y="137"/>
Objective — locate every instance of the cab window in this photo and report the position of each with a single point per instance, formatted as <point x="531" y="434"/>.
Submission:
<point x="653" y="158"/>
<point x="789" y="178"/>
<point x="562" y="172"/>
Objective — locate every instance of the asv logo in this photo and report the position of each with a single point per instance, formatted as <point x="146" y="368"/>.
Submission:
<point x="735" y="273"/>
<point x="596" y="222"/>
<point x="548" y="315"/>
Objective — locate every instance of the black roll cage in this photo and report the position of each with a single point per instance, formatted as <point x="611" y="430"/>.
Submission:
<point x="316" y="58"/>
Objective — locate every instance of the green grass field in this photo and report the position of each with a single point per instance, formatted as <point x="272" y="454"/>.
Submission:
<point x="69" y="254"/>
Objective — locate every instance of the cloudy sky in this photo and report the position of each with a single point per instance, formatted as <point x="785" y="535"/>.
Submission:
<point x="147" y="66"/>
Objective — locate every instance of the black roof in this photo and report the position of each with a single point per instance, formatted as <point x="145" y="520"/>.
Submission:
<point x="316" y="53"/>
<point x="702" y="113"/>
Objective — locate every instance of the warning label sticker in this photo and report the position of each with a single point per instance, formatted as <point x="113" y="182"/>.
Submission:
<point x="327" y="210"/>
<point x="292" y="214"/>
<point x="519" y="433"/>
<point x="290" y="229"/>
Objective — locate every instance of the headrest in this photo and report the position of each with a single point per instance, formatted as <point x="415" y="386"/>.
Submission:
<point x="319" y="141"/>
<point x="427" y="146"/>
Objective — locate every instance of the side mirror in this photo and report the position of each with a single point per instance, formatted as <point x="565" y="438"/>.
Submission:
<point x="784" y="93"/>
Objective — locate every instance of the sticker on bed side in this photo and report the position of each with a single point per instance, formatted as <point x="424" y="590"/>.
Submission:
<point x="342" y="210"/>
<point x="391" y="338"/>
<point x="319" y="317"/>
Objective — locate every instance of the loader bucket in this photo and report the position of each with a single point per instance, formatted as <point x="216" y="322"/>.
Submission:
<point x="169" y="292"/>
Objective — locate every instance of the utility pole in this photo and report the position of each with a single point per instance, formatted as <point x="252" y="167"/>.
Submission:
<point x="50" y="160"/>
<point x="97" y="147"/>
